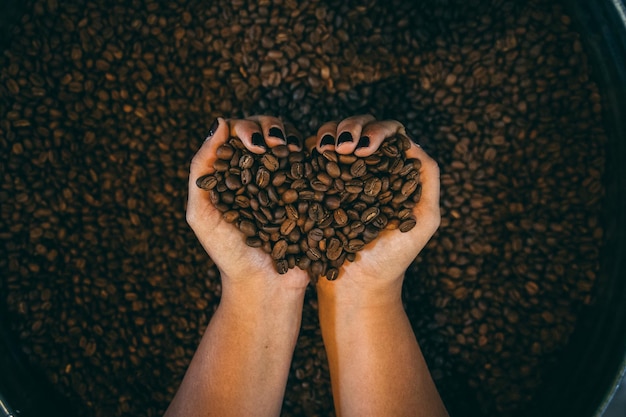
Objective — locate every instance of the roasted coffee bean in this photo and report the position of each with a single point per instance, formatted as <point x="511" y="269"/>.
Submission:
<point x="333" y="249"/>
<point x="233" y="182"/>
<point x="282" y="266"/>
<point x="287" y="227"/>
<point x="231" y="216"/>
<point x="332" y="202"/>
<point x="247" y="228"/>
<point x="314" y="254"/>
<point x="254" y="242"/>
<point x="372" y="186"/>
<point x="207" y="182"/>
<point x="354" y="245"/>
<point x="292" y="212"/>
<point x="358" y="168"/>
<point x="270" y="162"/>
<point x="279" y="179"/>
<point x="262" y="177"/>
<point x="333" y="169"/>
<point x="369" y="214"/>
<point x="246" y="161"/>
<point x="409" y="187"/>
<point x="221" y="165"/>
<point x="279" y="249"/>
<point x="225" y="152"/>
<point x="354" y="186"/>
<point x="332" y="274"/>
<point x="297" y="170"/>
<point x="290" y="196"/>
<point x="407" y="224"/>
<point x="316" y="234"/>
<point x="341" y="217"/>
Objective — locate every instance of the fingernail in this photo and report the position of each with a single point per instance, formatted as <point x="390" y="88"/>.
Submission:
<point x="213" y="128"/>
<point x="257" y="140"/>
<point x="364" y="142"/>
<point x="327" y="140"/>
<point x="344" y="137"/>
<point x="293" y="140"/>
<point x="277" y="133"/>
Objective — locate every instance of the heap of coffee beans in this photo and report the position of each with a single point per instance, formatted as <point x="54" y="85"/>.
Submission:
<point x="104" y="103"/>
<point x="314" y="211"/>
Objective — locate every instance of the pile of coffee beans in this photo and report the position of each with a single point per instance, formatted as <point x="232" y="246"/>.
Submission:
<point x="314" y="211"/>
<point x="103" y="103"/>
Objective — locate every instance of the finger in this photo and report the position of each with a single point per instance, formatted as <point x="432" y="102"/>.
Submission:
<point x="374" y="134"/>
<point x="349" y="132"/>
<point x="250" y="134"/>
<point x="294" y="138"/>
<point x="427" y="209"/>
<point x="202" y="162"/>
<point x="326" y="137"/>
<point x="272" y="128"/>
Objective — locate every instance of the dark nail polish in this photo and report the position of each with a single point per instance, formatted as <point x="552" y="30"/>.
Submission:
<point x="277" y="133"/>
<point x="293" y="140"/>
<point x="364" y="142"/>
<point x="213" y="128"/>
<point x="344" y="137"/>
<point x="327" y="140"/>
<point x="257" y="140"/>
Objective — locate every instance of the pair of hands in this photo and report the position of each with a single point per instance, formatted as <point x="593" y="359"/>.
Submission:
<point x="381" y="264"/>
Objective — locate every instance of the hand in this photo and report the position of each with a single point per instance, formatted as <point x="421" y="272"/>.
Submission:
<point x="221" y="240"/>
<point x="383" y="262"/>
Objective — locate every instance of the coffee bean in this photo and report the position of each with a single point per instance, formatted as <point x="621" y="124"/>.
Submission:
<point x="333" y="249"/>
<point x="225" y="152"/>
<point x="369" y="214"/>
<point x="262" y="177"/>
<point x="207" y="182"/>
<point x="254" y="242"/>
<point x="247" y="228"/>
<point x="282" y="266"/>
<point x="231" y="216"/>
<point x="289" y="196"/>
<point x="279" y="250"/>
<point x="332" y="274"/>
<point x="246" y="161"/>
<point x="287" y="226"/>
<point x="358" y="168"/>
<point x="270" y="162"/>
<point x="333" y="169"/>
<point x="407" y="224"/>
<point x="372" y="187"/>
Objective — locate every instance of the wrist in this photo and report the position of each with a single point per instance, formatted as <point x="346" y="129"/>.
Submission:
<point x="269" y="292"/>
<point x="366" y="293"/>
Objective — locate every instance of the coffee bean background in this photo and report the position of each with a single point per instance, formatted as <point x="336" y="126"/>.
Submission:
<point x="103" y="104"/>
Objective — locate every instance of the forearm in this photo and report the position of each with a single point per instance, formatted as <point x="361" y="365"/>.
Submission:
<point x="242" y="363"/>
<point x="376" y="364"/>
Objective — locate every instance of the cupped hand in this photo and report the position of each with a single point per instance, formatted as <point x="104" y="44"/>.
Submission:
<point x="224" y="243"/>
<point x="382" y="263"/>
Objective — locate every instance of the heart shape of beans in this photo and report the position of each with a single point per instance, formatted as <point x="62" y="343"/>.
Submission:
<point x="311" y="210"/>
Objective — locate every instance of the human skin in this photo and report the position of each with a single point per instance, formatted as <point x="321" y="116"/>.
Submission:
<point x="241" y="365"/>
<point x="376" y="365"/>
